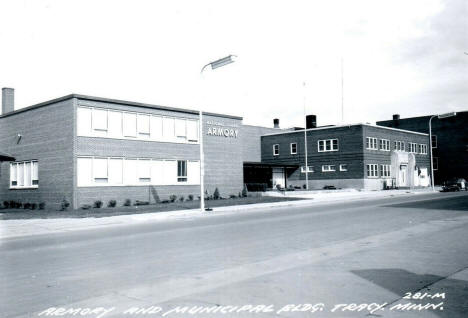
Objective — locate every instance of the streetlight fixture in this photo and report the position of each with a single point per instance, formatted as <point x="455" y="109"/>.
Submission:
<point x="214" y="65"/>
<point x="440" y="116"/>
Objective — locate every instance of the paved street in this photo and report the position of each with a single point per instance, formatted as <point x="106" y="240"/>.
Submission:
<point x="328" y="256"/>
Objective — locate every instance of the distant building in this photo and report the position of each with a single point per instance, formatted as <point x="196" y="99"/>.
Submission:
<point x="450" y="142"/>
<point x="360" y="156"/>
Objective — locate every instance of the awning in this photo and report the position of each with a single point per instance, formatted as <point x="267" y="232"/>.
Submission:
<point x="6" y="157"/>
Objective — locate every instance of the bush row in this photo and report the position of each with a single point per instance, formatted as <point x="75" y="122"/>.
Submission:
<point x="19" y="205"/>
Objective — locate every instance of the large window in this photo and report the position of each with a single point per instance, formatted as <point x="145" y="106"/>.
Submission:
<point x="112" y="123"/>
<point x="423" y="149"/>
<point x="385" y="170"/>
<point x="327" y="145"/>
<point x="434" y="141"/>
<point x="24" y="174"/>
<point x="371" y="143"/>
<point x="129" y="124"/>
<point x="385" y="144"/>
<point x="181" y="170"/>
<point x="399" y="145"/>
<point x="275" y="150"/>
<point x="372" y="170"/>
<point x="111" y="171"/>
<point x="309" y="169"/>
<point x="293" y="148"/>
<point x="328" y="168"/>
<point x="435" y="163"/>
<point x="413" y="147"/>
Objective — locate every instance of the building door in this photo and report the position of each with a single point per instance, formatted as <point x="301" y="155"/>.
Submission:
<point x="402" y="176"/>
<point x="278" y="177"/>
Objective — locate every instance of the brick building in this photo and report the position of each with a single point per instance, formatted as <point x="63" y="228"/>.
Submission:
<point x="358" y="156"/>
<point x="450" y="142"/>
<point x="82" y="148"/>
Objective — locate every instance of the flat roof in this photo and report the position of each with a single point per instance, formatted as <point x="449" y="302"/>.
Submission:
<point x="116" y="101"/>
<point x="351" y="125"/>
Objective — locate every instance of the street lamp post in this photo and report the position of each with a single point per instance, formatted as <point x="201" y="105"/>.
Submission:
<point x="440" y="116"/>
<point x="214" y="65"/>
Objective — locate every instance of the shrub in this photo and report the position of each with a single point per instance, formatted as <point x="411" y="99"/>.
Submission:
<point x="138" y="202"/>
<point x="64" y="205"/>
<point x="12" y="204"/>
<point x="41" y="205"/>
<point x="6" y="204"/>
<point x="27" y="206"/>
<point x="244" y="191"/>
<point x="216" y="195"/>
<point x="304" y="186"/>
<point x="86" y="207"/>
<point x="33" y="206"/>
<point x="181" y="199"/>
<point x="112" y="204"/>
<point x="19" y="205"/>
<point x="127" y="202"/>
<point x="190" y="197"/>
<point x="172" y="197"/>
<point x="232" y="196"/>
<point x="240" y="195"/>
<point x="98" y="204"/>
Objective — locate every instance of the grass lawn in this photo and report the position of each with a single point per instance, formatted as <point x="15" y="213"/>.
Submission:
<point x="17" y="214"/>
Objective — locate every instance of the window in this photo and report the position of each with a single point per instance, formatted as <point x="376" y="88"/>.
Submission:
<point x="328" y="168"/>
<point x="24" y="174"/>
<point x="180" y="129"/>
<point x="385" y="170"/>
<point x="168" y="128"/>
<point x="129" y="124"/>
<point x="156" y="128"/>
<point x="99" y="122"/>
<point x="434" y="141"/>
<point x="327" y="145"/>
<point x="143" y="126"/>
<point x="413" y="147"/>
<point x="144" y="171"/>
<point x="423" y="149"/>
<point x="100" y="172"/>
<point x="192" y="130"/>
<point x="343" y="167"/>
<point x="181" y="170"/>
<point x="399" y="145"/>
<point x="83" y="121"/>
<point x="293" y="148"/>
<point x="372" y="171"/>
<point x="371" y="143"/>
<point x="309" y="169"/>
<point x="275" y="150"/>
<point x="115" y="124"/>
<point x="435" y="163"/>
<point x="115" y="171"/>
<point x="385" y="144"/>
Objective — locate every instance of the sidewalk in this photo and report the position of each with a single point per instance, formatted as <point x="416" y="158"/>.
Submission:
<point x="19" y="228"/>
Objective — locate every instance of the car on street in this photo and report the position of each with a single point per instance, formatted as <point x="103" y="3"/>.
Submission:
<point x="455" y="184"/>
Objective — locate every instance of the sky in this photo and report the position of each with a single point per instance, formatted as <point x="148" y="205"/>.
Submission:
<point x="405" y="57"/>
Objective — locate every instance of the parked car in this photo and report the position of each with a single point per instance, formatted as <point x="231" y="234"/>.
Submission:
<point x="455" y="184"/>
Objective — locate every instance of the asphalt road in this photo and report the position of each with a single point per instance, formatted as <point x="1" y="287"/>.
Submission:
<point x="254" y="264"/>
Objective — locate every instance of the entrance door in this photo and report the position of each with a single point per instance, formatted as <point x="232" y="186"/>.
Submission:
<point x="402" y="177"/>
<point x="278" y="177"/>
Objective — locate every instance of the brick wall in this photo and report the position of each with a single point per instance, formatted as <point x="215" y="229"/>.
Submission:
<point x="251" y="141"/>
<point x="47" y="136"/>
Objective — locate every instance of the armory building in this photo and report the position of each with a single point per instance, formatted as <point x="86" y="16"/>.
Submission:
<point x="82" y="148"/>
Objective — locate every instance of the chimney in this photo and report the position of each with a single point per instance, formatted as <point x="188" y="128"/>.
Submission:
<point x="8" y="100"/>
<point x="276" y="123"/>
<point x="311" y="121"/>
<point x="396" y="117"/>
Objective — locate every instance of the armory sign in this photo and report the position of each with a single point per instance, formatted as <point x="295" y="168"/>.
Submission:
<point x="222" y="130"/>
